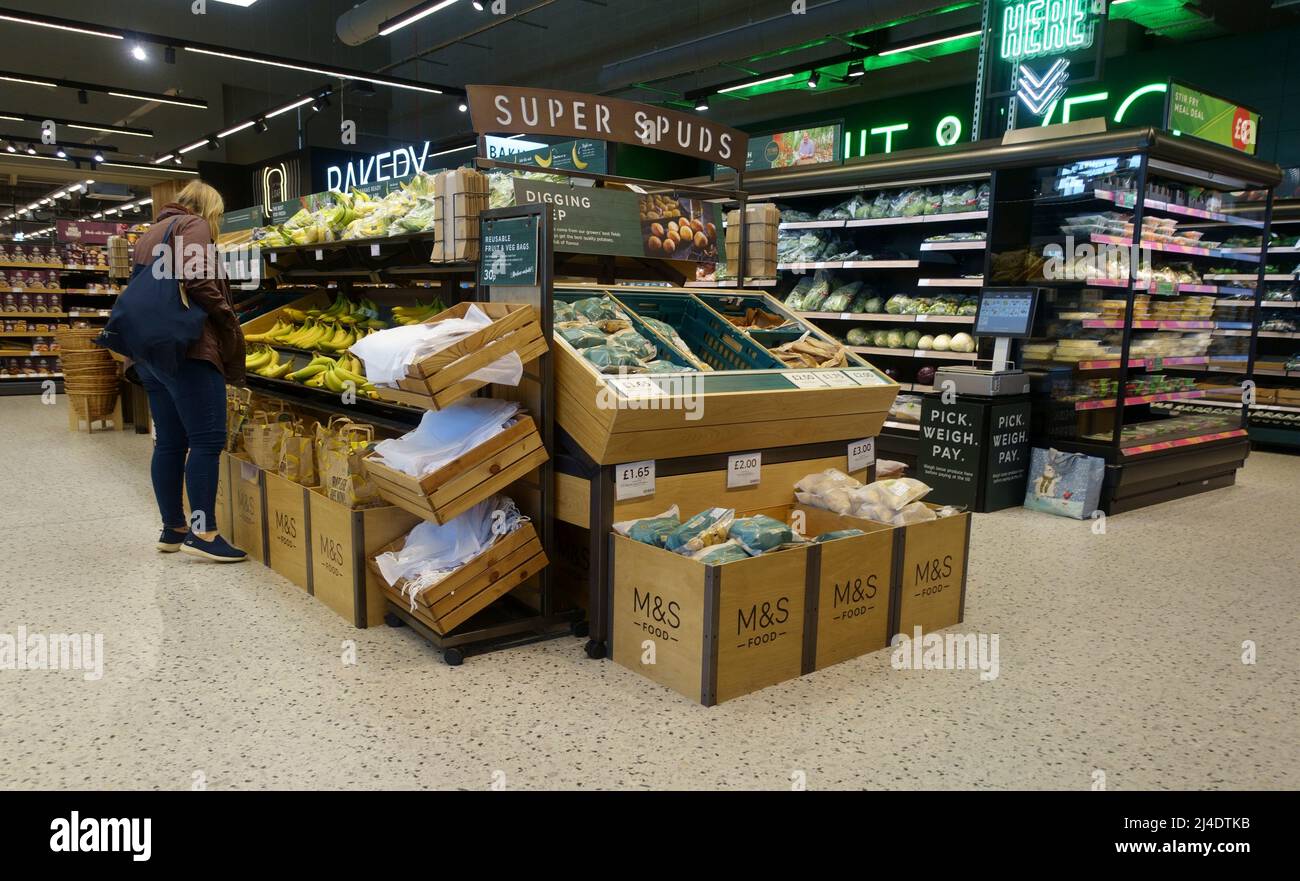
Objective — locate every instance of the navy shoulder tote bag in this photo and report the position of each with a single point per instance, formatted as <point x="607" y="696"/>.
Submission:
<point x="150" y="321"/>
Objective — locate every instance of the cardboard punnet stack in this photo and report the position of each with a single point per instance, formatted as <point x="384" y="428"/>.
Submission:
<point x="762" y="222"/>
<point x="460" y="196"/>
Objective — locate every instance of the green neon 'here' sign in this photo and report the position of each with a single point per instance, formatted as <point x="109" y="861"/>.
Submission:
<point x="1033" y="28"/>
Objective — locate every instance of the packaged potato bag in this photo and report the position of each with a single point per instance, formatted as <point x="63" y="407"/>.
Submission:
<point x="651" y="530"/>
<point x="727" y="552"/>
<point x="916" y="512"/>
<point x="901" y="492"/>
<point x="704" y="529"/>
<point x="760" y="533"/>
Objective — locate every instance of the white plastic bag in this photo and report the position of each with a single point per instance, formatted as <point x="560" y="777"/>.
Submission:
<point x="433" y="552"/>
<point x="388" y="353"/>
<point x="442" y="435"/>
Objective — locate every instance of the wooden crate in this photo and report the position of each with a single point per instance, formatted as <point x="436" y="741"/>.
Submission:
<point x="729" y="411"/>
<point x="288" y="530"/>
<point x="930" y="582"/>
<point x="504" y="566"/>
<point x="713" y="632"/>
<point x="851" y="581"/>
<point x="248" y="501"/>
<point x="341" y="540"/>
<point x="443" y="378"/>
<point x="224" y="514"/>
<point x="465" y="481"/>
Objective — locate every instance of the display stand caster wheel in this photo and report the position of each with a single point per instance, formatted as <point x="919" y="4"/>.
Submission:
<point x="453" y="657"/>
<point x="579" y="629"/>
<point x="595" y="649"/>
<point x="393" y="620"/>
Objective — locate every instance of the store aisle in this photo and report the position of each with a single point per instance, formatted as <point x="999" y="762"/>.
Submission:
<point x="1120" y="653"/>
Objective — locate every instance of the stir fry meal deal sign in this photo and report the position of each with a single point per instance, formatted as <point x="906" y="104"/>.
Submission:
<point x="521" y="110"/>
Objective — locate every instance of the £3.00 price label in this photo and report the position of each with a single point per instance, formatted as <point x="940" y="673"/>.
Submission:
<point x="803" y="379"/>
<point x="637" y="387"/>
<point x="744" y="469"/>
<point x="634" y="480"/>
<point x="862" y="454"/>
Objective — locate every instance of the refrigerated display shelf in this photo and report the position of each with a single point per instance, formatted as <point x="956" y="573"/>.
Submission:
<point x="914" y="353"/>
<point x="1127" y="198"/>
<point x="1137" y="400"/>
<point x="1170" y="248"/>
<point x="893" y="319"/>
<point x="950" y="282"/>
<point x="920" y="218"/>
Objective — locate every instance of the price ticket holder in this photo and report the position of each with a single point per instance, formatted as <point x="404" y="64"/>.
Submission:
<point x="974" y="437"/>
<point x="1005" y="314"/>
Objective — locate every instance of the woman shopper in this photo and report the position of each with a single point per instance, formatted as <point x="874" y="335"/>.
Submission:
<point x="189" y="407"/>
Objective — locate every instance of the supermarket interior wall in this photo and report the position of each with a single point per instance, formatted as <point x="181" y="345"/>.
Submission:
<point x="1260" y="70"/>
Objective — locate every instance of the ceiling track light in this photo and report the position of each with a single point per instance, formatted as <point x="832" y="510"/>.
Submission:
<point x="814" y="79"/>
<point x="214" y="144"/>
<point x="411" y="16"/>
<point x="261" y="126"/>
<point x="478" y="5"/>
<point x="462" y="107"/>
<point x="857" y="68"/>
<point x="702" y="105"/>
<point x="321" y="102"/>
<point x="115" y="91"/>
<point x="98" y="157"/>
<point x="138" y="53"/>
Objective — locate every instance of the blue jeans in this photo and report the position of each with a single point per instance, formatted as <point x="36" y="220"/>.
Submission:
<point x="189" y="417"/>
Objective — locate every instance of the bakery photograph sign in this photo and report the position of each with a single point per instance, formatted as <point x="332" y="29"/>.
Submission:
<point x="519" y="110"/>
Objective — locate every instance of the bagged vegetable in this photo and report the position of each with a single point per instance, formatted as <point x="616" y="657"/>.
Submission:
<point x="842" y="297"/>
<point x="704" y="529"/>
<point x="564" y="312"/>
<point x="916" y="512"/>
<point x="838" y="533"/>
<point x="760" y="533"/>
<point x="583" y="336"/>
<point x="635" y="343"/>
<point x="727" y="552"/>
<point x="820" y="290"/>
<point x="894" y="494"/>
<point x="665" y="367"/>
<point x="597" y="309"/>
<point x="613" y="359"/>
<point x="651" y="530"/>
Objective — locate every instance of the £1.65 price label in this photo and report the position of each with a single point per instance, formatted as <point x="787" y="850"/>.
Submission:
<point x="862" y="454"/>
<point x="744" y="469"/>
<point x="634" y="480"/>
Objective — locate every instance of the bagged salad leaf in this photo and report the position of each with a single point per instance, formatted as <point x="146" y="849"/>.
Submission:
<point x="841" y="299"/>
<point x="651" y="530"/>
<point x="564" y="312"/>
<point x="669" y="333"/>
<point x="815" y="299"/>
<point x="897" y="304"/>
<point x="705" y="529"/>
<point x="908" y="203"/>
<point x="933" y="201"/>
<point x="666" y="367"/>
<point x="960" y="197"/>
<point x="794" y="299"/>
<point x="760" y="533"/>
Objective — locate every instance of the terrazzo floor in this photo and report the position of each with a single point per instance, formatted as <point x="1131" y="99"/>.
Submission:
<point x="1120" y="664"/>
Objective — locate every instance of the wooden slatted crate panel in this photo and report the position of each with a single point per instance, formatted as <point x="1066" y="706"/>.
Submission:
<point x="506" y="565"/>
<point x="465" y="481"/>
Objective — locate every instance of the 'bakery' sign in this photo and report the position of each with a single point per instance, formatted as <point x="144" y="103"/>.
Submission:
<point x="520" y="110"/>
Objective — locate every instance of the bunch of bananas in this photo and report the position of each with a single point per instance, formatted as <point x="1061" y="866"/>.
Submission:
<point x="331" y="330"/>
<point x="324" y="372"/>
<point x="417" y="313"/>
<point x="326" y="224"/>
<point x="265" y="361"/>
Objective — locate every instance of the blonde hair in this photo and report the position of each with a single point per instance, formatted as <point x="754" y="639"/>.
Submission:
<point x="201" y="199"/>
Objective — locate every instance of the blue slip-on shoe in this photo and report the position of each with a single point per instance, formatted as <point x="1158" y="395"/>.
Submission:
<point x="218" y="550"/>
<point x="170" y="541"/>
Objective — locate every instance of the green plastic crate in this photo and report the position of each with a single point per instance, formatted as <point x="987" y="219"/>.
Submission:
<point x="712" y="339"/>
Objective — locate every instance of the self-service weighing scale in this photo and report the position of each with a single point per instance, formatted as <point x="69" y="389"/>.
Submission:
<point x="974" y="433"/>
<point x="1005" y="314"/>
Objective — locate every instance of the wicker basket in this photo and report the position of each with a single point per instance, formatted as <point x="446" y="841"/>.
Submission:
<point x="93" y="406"/>
<point x="82" y="358"/>
<point x="78" y="339"/>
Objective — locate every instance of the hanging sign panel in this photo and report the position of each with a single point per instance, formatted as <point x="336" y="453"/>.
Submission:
<point x="509" y="252"/>
<point x="578" y="115"/>
<point x="590" y="220"/>
<point x="1192" y="112"/>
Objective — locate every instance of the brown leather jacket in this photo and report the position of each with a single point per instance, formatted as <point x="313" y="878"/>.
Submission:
<point x="222" y="342"/>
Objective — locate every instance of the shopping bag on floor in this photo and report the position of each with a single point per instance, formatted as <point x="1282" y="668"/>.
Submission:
<point x="342" y="476"/>
<point x="262" y="433"/>
<point x="298" y="454"/>
<point x="1065" y="484"/>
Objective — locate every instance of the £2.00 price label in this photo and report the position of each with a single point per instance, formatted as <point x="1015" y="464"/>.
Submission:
<point x="634" y="480"/>
<point x="862" y="454"/>
<point x="744" y="469"/>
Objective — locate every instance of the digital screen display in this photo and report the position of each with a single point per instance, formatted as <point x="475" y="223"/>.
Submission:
<point x="1007" y="312"/>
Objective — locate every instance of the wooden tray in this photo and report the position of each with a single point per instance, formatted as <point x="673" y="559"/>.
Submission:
<point x="466" y="480"/>
<point x="442" y="378"/>
<point x="492" y="574"/>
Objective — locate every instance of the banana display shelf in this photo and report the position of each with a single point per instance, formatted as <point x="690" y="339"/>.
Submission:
<point x="299" y="350"/>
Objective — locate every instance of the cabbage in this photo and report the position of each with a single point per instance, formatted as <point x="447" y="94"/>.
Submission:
<point x="870" y="304"/>
<point x="897" y="303"/>
<point x="942" y="343"/>
<point x="859" y="336"/>
<point x="962" y="342"/>
<point x="911" y="338"/>
<point x="880" y="338"/>
<point x="895" y="339"/>
<point x="925" y="343"/>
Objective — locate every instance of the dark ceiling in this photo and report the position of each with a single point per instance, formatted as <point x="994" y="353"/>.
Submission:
<point x="630" y="48"/>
